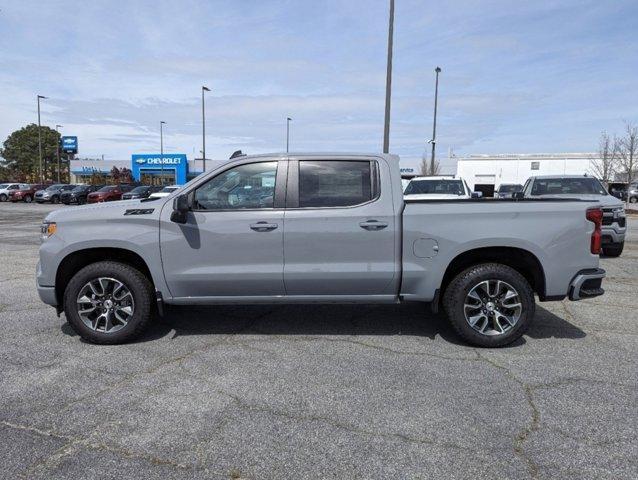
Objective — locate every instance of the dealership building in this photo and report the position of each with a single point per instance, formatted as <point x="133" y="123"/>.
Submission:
<point x="173" y="168"/>
<point x="487" y="172"/>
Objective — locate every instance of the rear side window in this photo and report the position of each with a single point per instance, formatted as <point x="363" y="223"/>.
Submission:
<point x="334" y="183"/>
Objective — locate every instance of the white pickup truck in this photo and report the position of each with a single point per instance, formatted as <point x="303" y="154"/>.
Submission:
<point x="317" y="228"/>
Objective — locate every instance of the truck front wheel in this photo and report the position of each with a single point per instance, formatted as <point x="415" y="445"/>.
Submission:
<point x="489" y="305"/>
<point x="108" y="302"/>
<point x="613" y="249"/>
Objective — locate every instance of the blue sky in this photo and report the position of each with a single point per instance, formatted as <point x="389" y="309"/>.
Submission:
<point x="517" y="77"/>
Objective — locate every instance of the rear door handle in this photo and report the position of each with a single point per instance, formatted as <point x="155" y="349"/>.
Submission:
<point x="373" y="225"/>
<point x="263" y="226"/>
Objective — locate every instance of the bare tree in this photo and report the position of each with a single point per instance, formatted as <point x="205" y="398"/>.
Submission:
<point x="628" y="151"/>
<point x="428" y="170"/>
<point x="605" y="165"/>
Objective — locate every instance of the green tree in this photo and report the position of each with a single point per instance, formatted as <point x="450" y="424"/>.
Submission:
<point x="20" y="152"/>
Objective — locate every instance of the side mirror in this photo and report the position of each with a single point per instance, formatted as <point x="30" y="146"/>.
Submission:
<point x="477" y="194"/>
<point x="180" y="209"/>
<point x="518" y="195"/>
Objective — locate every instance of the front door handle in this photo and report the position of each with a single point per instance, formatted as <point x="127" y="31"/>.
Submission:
<point x="373" y="225"/>
<point x="263" y="226"/>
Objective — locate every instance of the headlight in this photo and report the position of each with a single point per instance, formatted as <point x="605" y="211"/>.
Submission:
<point x="619" y="211"/>
<point x="47" y="229"/>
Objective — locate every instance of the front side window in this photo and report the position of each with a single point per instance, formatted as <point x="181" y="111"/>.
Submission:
<point x="334" y="183"/>
<point x="247" y="186"/>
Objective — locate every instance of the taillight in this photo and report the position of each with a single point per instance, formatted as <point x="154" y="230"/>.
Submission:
<point x="595" y="215"/>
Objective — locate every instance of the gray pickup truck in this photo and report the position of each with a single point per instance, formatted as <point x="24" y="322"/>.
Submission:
<point x="317" y="228"/>
<point x="614" y="226"/>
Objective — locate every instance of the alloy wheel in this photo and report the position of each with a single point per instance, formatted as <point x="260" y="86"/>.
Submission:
<point x="492" y="307"/>
<point x="105" y="304"/>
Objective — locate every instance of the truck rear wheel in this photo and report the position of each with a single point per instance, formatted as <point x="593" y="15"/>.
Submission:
<point x="489" y="305"/>
<point x="108" y="302"/>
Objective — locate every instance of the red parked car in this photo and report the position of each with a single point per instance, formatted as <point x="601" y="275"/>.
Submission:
<point x="25" y="192"/>
<point x="108" y="193"/>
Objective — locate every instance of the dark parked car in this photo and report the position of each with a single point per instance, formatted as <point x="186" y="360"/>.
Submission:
<point x="109" y="193"/>
<point x="618" y="190"/>
<point x="25" y="193"/>
<point x="52" y="193"/>
<point x="78" y="194"/>
<point x="507" y="190"/>
<point x="632" y="193"/>
<point x="143" y="191"/>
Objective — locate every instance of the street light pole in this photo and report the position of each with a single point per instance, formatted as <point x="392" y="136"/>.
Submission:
<point x="162" y="123"/>
<point x="288" y="120"/>
<point x="40" y="138"/>
<point x="436" y="98"/>
<point x="388" y="82"/>
<point x="204" y="89"/>
<point x="58" y="149"/>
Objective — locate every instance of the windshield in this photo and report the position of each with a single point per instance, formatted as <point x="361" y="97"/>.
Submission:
<point x="567" y="186"/>
<point x="106" y="189"/>
<point x="3" y="186"/>
<point x="168" y="189"/>
<point x="55" y="187"/>
<point x="140" y="189"/>
<point x="81" y="188"/>
<point x="510" y="188"/>
<point x="446" y="187"/>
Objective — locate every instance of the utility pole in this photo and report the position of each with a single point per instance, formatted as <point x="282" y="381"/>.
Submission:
<point x="436" y="98"/>
<point x="40" y="138"/>
<point x="162" y="123"/>
<point x="388" y="83"/>
<point x="204" y="89"/>
<point x="288" y="120"/>
<point x="58" y="150"/>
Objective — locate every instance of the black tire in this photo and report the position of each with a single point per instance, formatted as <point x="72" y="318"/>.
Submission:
<point x="613" y="249"/>
<point x="28" y="198"/>
<point x="55" y="199"/>
<point x="81" y="201"/>
<point x="141" y="290"/>
<point x="3" y="197"/>
<point x="454" y="300"/>
<point x="633" y="200"/>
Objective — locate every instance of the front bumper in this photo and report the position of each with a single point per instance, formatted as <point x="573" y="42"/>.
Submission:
<point x="587" y="284"/>
<point x="613" y="234"/>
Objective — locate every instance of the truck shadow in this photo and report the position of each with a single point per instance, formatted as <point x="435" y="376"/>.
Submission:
<point x="409" y="319"/>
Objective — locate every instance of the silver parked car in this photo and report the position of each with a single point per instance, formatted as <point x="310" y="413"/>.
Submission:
<point x="585" y="187"/>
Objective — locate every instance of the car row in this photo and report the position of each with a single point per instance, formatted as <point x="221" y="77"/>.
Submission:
<point x="80" y="194"/>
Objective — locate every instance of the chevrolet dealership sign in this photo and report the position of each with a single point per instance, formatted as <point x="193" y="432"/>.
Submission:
<point x="143" y="160"/>
<point x="154" y="163"/>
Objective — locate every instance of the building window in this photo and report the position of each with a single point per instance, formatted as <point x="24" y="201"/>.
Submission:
<point x="536" y="165"/>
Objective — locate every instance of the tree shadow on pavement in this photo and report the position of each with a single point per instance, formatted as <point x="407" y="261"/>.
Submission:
<point x="408" y="319"/>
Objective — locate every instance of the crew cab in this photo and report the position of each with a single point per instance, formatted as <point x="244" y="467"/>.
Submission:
<point x="317" y="228"/>
<point x="614" y="225"/>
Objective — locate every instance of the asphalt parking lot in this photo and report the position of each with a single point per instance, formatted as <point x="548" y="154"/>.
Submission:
<point x="315" y="392"/>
